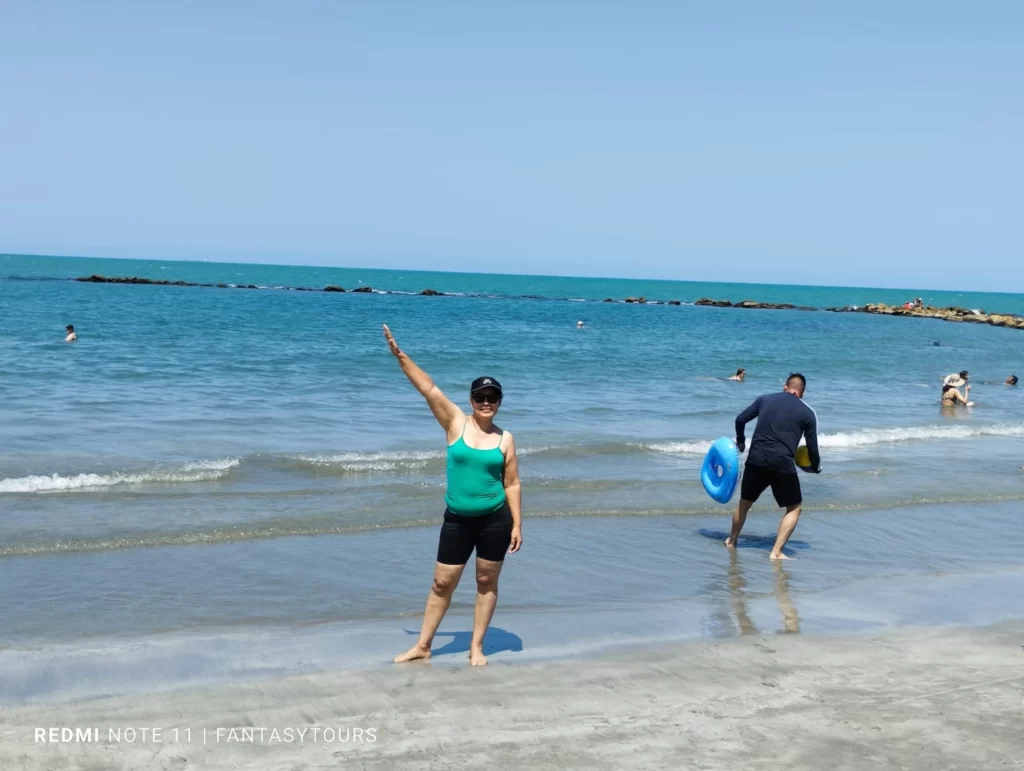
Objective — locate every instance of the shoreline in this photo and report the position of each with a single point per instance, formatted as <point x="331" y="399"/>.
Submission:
<point x="913" y="698"/>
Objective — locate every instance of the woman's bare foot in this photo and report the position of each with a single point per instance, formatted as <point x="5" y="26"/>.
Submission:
<point x="779" y="556"/>
<point x="477" y="657"/>
<point x="415" y="653"/>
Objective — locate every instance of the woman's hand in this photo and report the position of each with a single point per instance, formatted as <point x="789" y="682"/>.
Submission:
<point x="391" y="341"/>
<point x="517" y="540"/>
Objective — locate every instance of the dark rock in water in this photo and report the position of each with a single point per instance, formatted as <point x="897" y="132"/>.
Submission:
<point x="222" y="286"/>
<point x="363" y="289"/>
<point x="640" y="300"/>
<point x="714" y="303"/>
<point x="673" y="302"/>
<point x="431" y="292"/>
<point x="93" y="279"/>
<point x="333" y="288"/>
<point x="805" y="308"/>
<point x="608" y="300"/>
<point x="765" y="306"/>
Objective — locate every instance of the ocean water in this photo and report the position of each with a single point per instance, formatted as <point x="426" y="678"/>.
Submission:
<point x="211" y="461"/>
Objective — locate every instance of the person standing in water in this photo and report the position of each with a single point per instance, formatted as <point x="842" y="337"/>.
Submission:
<point x="782" y="418"/>
<point x="70" y="336"/>
<point x="740" y="374"/>
<point x="483" y="503"/>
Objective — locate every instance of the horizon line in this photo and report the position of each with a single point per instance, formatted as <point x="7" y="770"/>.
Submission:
<point x="524" y="275"/>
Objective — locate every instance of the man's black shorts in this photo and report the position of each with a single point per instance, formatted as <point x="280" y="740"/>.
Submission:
<point x="785" y="485"/>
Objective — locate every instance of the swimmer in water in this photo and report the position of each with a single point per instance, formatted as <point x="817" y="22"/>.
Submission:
<point x="483" y="500"/>
<point x="740" y="374"/>
<point x="579" y="325"/>
<point x="952" y="397"/>
<point x="956" y="380"/>
<point x="1011" y="380"/>
<point x="71" y="336"/>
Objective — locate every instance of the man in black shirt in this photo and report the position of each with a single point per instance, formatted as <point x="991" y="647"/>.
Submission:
<point x="782" y="418"/>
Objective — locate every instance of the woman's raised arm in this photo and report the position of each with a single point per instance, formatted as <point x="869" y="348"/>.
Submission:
<point x="444" y="409"/>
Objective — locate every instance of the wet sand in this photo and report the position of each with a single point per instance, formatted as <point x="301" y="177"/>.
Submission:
<point x="913" y="699"/>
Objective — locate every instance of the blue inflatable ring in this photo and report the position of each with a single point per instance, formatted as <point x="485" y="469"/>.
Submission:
<point x="721" y="470"/>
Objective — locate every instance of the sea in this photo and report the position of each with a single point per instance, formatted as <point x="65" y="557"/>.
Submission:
<point x="228" y="482"/>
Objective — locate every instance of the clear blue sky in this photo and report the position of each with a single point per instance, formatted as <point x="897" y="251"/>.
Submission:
<point x="870" y="143"/>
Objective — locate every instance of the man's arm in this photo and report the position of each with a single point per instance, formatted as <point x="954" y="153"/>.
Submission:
<point x="743" y="418"/>
<point x="811" y="434"/>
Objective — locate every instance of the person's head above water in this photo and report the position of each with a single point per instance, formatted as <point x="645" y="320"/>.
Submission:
<point x="579" y="323"/>
<point x="1011" y="380"/>
<point x="69" y="328"/>
<point x="485" y="397"/>
<point x="796" y="384"/>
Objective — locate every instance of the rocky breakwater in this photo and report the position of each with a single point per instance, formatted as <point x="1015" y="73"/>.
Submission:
<point x="753" y="304"/>
<point x="952" y="313"/>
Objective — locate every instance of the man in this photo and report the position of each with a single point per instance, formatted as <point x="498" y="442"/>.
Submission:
<point x="71" y="336"/>
<point x="782" y="418"/>
<point x="740" y="374"/>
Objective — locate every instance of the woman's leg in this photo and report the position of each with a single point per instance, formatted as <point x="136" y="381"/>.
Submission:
<point x="454" y="547"/>
<point x="487" y="573"/>
<point x="446" y="578"/>
<point x="491" y="548"/>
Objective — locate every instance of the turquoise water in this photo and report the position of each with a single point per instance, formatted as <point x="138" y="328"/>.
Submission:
<point x="204" y="459"/>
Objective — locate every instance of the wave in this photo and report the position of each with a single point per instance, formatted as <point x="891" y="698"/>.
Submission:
<point x="203" y="471"/>
<point x="871" y="436"/>
<point x="374" y="461"/>
<point x="863" y="438"/>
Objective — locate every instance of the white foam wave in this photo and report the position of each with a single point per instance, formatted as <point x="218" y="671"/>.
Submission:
<point x="864" y="437"/>
<point x="679" y="448"/>
<point x="871" y="436"/>
<point x="375" y="461"/>
<point x="203" y="471"/>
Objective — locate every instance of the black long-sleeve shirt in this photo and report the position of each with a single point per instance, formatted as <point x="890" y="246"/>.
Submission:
<point x="781" y="420"/>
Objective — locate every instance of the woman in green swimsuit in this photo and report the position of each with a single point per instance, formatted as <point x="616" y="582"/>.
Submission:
<point x="483" y="503"/>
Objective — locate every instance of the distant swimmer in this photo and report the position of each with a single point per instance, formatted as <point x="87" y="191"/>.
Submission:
<point x="937" y="344"/>
<point x="740" y="374"/>
<point x="483" y="500"/>
<point x="952" y="397"/>
<point x="956" y="380"/>
<point x="579" y="325"/>
<point x="71" y="336"/>
<point x="782" y="418"/>
<point x="1011" y="380"/>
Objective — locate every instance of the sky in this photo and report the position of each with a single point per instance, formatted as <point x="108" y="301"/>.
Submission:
<point x="869" y="143"/>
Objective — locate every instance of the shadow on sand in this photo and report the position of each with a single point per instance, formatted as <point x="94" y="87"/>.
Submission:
<point x="755" y="541"/>
<point x="497" y="640"/>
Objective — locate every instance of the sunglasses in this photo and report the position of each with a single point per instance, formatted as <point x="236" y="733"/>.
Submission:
<point x="488" y="397"/>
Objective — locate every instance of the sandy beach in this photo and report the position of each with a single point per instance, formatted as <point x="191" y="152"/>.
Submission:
<point x="914" y="699"/>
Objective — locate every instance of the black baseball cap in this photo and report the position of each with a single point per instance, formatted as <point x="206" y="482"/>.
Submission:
<point x="485" y="382"/>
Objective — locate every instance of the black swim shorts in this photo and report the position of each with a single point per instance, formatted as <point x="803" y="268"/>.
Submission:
<point x="785" y="485"/>
<point x="490" y="534"/>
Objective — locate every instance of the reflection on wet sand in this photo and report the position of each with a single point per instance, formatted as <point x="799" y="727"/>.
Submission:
<point x="739" y="596"/>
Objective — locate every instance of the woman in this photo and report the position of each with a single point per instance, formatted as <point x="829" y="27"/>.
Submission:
<point x="951" y="397"/>
<point x="740" y="374"/>
<point x="483" y="503"/>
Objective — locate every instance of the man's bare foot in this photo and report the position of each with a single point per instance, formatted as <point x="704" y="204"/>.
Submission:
<point x="779" y="556"/>
<point x="730" y="542"/>
<point x="477" y="657"/>
<point x="415" y="653"/>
